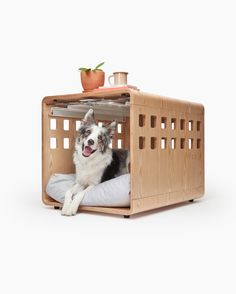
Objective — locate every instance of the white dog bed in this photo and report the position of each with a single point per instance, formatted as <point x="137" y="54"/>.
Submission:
<point x="113" y="193"/>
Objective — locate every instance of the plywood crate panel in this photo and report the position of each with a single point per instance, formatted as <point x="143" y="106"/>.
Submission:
<point x="166" y="141"/>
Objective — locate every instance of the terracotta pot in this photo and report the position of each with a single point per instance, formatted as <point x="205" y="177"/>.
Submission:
<point x="92" y="79"/>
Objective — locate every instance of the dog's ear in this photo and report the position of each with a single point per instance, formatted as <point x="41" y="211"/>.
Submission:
<point x="89" y="118"/>
<point x="112" y="128"/>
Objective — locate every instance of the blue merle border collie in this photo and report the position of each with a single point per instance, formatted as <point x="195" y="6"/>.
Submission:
<point x="94" y="160"/>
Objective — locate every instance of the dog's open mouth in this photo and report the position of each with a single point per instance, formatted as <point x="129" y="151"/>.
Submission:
<point x="87" y="151"/>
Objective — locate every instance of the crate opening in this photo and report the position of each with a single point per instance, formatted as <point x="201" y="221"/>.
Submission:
<point x="163" y="122"/>
<point x="173" y="123"/>
<point x="190" y="143"/>
<point x="163" y="143"/>
<point x="153" y="121"/>
<point x="141" y="120"/>
<point x="78" y="124"/>
<point x="153" y="143"/>
<point x="190" y="125"/>
<point x="65" y="120"/>
<point x="182" y="124"/>
<point x="53" y="124"/>
<point x="66" y="124"/>
<point x="53" y="143"/>
<point x="198" y="125"/>
<point x="66" y="143"/>
<point x="173" y="143"/>
<point x="182" y="143"/>
<point x="198" y="143"/>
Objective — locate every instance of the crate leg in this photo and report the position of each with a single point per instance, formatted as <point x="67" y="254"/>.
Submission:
<point x="126" y="216"/>
<point x="56" y="207"/>
<point x="191" y="200"/>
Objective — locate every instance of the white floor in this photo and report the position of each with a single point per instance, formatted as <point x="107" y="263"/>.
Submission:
<point x="188" y="248"/>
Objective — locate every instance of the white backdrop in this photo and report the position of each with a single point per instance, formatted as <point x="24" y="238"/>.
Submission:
<point x="183" y="49"/>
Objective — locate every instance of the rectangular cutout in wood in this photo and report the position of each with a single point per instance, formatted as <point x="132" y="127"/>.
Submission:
<point x="66" y="124"/>
<point x="119" y="128"/>
<point x="190" y="125"/>
<point x="77" y="124"/>
<point x="163" y="143"/>
<point x="66" y="143"/>
<point x="53" y="124"/>
<point x="198" y="143"/>
<point x="190" y="143"/>
<point x="182" y="143"/>
<point x="100" y="124"/>
<point x="141" y="120"/>
<point x="141" y="142"/>
<point x="153" y="121"/>
<point x="182" y="124"/>
<point x="53" y="143"/>
<point x="173" y="143"/>
<point x="119" y="143"/>
<point x="163" y="122"/>
<point x="198" y="125"/>
<point x="153" y="142"/>
<point x="173" y="123"/>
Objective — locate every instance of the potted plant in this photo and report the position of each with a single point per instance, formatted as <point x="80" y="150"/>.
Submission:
<point x="92" y="78"/>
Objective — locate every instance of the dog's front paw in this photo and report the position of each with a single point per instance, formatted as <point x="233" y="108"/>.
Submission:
<point x="64" y="212"/>
<point x="67" y="212"/>
<point x="65" y="209"/>
<point x="70" y="209"/>
<point x="74" y="207"/>
<point x="67" y="203"/>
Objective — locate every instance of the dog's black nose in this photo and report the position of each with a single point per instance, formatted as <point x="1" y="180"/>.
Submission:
<point x="90" y="142"/>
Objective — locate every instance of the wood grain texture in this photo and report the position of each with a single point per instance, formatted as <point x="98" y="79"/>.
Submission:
<point x="159" y="177"/>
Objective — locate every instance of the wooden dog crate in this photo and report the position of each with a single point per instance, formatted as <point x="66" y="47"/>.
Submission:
<point x="166" y="142"/>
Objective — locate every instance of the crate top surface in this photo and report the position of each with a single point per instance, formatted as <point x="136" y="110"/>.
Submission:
<point x="113" y="94"/>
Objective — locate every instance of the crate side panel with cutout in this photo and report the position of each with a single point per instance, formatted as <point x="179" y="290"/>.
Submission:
<point x="167" y="151"/>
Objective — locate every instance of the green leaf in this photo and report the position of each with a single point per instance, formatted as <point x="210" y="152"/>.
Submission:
<point x="99" y="65"/>
<point x="84" y="69"/>
<point x="96" y="70"/>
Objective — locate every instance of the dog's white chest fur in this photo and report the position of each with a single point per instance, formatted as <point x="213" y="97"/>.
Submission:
<point x="89" y="171"/>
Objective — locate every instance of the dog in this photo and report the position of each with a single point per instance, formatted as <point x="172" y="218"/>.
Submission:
<point x="95" y="162"/>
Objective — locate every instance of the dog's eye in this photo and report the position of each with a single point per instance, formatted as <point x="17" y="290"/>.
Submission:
<point x="99" y="137"/>
<point x="88" y="132"/>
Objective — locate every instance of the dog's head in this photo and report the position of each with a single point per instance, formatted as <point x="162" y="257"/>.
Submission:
<point x="93" y="138"/>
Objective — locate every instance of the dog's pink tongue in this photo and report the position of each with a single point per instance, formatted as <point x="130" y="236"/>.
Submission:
<point x="87" y="150"/>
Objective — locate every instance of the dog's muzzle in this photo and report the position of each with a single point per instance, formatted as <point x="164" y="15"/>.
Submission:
<point x="87" y="151"/>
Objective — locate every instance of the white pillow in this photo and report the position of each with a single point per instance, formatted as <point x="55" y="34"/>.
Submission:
<point x="113" y="193"/>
